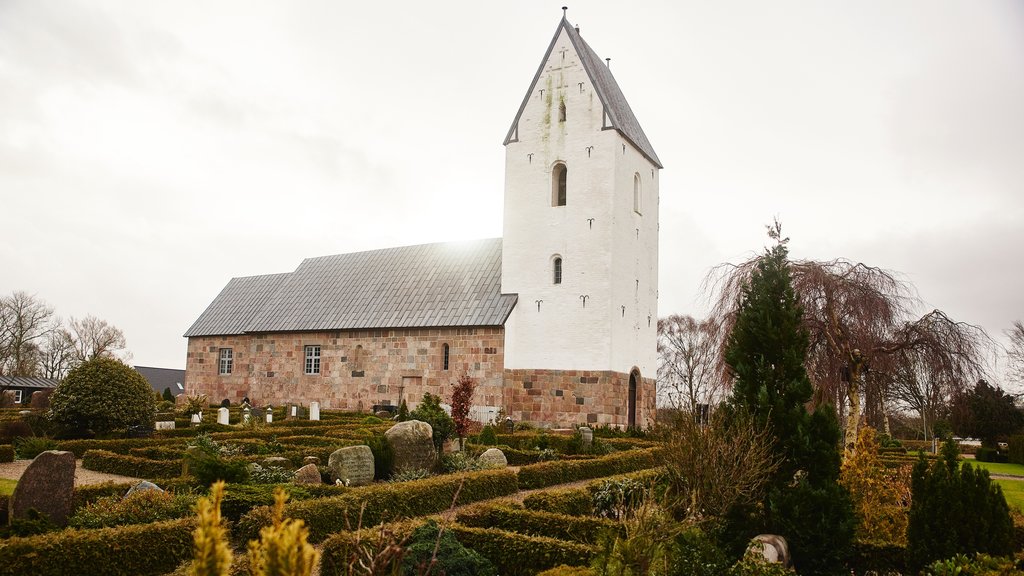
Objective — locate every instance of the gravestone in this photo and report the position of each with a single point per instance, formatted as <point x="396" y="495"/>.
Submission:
<point x="413" y="445"/>
<point x="588" y="436"/>
<point x="48" y="486"/>
<point x="314" y="410"/>
<point x="308" y="474"/>
<point x="270" y="414"/>
<point x="143" y="486"/>
<point x="353" y="465"/>
<point x="246" y="415"/>
<point x="222" y="416"/>
<point x="40" y="399"/>
<point x="276" y="462"/>
<point x="770" y="548"/>
<point x="493" y="458"/>
<point x="314" y="460"/>
<point x="197" y="419"/>
<point x="165" y="425"/>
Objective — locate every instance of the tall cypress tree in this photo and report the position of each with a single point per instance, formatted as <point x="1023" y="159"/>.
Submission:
<point x="765" y="352"/>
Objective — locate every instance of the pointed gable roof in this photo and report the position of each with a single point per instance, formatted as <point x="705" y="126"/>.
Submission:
<point x="620" y="115"/>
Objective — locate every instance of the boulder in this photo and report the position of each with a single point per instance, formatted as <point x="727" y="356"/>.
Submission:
<point x="315" y="460"/>
<point x="143" y="487"/>
<point x="770" y="548"/>
<point x="413" y="445"/>
<point x="276" y="462"/>
<point x="493" y="458"/>
<point x="353" y="465"/>
<point x="308" y="474"/>
<point x="48" y="486"/>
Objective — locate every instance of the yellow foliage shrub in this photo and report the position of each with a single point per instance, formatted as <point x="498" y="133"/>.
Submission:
<point x="881" y="496"/>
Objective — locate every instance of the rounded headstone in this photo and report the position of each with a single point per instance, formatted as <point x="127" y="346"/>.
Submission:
<point x="308" y="474"/>
<point x="770" y="548"/>
<point x="223" y="414"/>
<point x="353" y="465"/>
<point x="277" y="462"/>
<point x="48" y="486"/>
<point x="413" y="445"/>
<point x="143" y="486"/>
<point x="493" y="458"/>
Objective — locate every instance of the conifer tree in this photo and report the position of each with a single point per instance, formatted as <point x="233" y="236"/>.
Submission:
<point x="766" y="355"/>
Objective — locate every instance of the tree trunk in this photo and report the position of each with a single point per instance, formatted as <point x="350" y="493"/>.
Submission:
<point x="853" y="391"/>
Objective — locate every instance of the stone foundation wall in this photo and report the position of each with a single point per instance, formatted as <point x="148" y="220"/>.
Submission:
<point x="563" y="398"/>
<point x="358" y="369"/>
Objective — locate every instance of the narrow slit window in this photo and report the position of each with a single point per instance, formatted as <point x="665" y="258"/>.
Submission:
<point x="637" y="194"/>
<point x="557" y="269"/>
<point x="561" y="111"/>
<point x="558" y="185"/>
<point x="446" y="352"/>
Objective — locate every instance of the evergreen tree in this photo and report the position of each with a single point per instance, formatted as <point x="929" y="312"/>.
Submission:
<point x="766" y="352"/>
<point x="167" y="395"/>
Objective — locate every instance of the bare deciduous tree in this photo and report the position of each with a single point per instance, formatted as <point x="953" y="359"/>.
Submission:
<point x="1016" y="351"/>
<point x="57" y="356"/>
<point x="687" y="358"/>
<point x="860" y="318"/>
<point x="95" y="338"/>
<point x="24" y="320"/>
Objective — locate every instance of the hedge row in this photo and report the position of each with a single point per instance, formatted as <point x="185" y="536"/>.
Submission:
<point x="6" y="453"/>
<point x="521" y="555"/>
<point x="561" y="472"/>
<point x="111" y="463"/>
<point x="514" y="518"/>
<point x="119" y="446"/>
<point x="570" y="501"/>
<point x="341" y="548"/>
<point x="138" y="550"/>
<point x="371" y="505"/>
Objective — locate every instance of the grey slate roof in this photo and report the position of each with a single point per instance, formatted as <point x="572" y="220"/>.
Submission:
<point x="161" y="378"/>
<point x="620" y="115"/>
<point x="431" y="285"/>
<point x="27" y="382"/>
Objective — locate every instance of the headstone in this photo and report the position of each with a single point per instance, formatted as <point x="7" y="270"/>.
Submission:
<point x="165" y="425"/>
<point x="770" y="548"/>
<point x="277" y="462"/>
<point x="353" y="465"/>
<point x="314" y="460"/>
<point x="588" y="436"/>
<point x="270" y="414"/>
<point x="246" y="415"/>
<point x="314" y="410"/>
<point x="308" y="474"/>
<point x="510" y="426"/>
<point x="493" y="458"/>
<point x="48" y="486"/>
<point x="412" y="444"/>
<point x="222" y="416"/>
<point x="197" y="419"/>
<point x="40" y="399"/>
<point x="293" y="411"/>
<point x="143" y="487"/>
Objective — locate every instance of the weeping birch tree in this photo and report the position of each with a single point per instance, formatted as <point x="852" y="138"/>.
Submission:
<point x="865" y="335"/>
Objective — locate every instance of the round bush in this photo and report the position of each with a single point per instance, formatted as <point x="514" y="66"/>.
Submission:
<point x="102" y="395"/>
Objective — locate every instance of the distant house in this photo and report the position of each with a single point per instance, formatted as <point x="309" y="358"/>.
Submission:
<point x="161" y="378"/>
<point x="20" y="388"/>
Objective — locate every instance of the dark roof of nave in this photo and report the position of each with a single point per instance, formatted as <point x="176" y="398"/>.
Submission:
<point x="620" y="115"/>
<point x="431" y="285"/>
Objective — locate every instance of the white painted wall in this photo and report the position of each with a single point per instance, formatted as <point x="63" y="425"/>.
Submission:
<point x="602" y="259"/>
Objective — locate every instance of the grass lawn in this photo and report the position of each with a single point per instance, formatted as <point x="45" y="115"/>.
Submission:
<point x="7" y="486"/>
<point x="1013" y="490"/>
<point x="1000" y="467"/>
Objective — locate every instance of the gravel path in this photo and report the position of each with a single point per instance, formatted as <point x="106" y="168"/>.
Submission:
<point x="14" y="470"/>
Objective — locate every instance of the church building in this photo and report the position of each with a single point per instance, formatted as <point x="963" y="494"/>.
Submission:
<point x="556" y="320"/>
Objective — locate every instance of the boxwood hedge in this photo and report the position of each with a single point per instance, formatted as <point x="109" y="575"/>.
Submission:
<point x="561" y="472"/>
<point x="516" y="554"/>
<point x="514" y="518"/>
<point x="111" y="463"/>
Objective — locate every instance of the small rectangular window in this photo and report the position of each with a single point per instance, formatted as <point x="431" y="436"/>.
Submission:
<point x="312" y="359"/>
<point x="227" y="360"/>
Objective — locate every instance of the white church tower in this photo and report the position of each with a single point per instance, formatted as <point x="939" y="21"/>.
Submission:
<point x="580" y="246"/>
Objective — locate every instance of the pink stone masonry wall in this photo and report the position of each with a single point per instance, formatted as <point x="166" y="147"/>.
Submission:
<point x="568" y="397"/>
<point x="358" y="369"/>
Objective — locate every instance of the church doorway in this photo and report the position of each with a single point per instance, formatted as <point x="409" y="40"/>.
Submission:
<point x="634" y="377"/>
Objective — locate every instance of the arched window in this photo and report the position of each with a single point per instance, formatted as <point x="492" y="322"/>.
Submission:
<point x="637" y="195"/>
<point x="561" y="111"/>
<point x="557" y="269"/>
<point x="446" y="357"/>
<point x="558" y="180"/>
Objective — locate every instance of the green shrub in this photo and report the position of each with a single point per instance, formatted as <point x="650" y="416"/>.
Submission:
<point x="208" y="468"/>
<point x="487" y="436"/>
<point x="14" y="429"/>
<point x="137" y="508"/>
<point x="384" y="502"/>
<point x="748" y="566"/>
<point x="28" y="447"/>
<point x="269" y="474"/>
<point x="571" y="501"/>
<point x="564" y="570"/>
<point x="103" y="461"/>
<point x="980" y="565"/>
<point x="615" y="498"/>
<point x="410" y="474"/>
<point x="583" y="529"/>
<point x="102" y="395"/>
<point x="238" y="499"/>
<point x="92" y="492"/>
<point x="137" y="550"/>
<point x="818" y="523"/>
<point x="518" y="554"/>
<point x="6" y="453"/>
<point x="695" y="553"/>
<point x="430" y="411"/>
<point x="383" y="456"/>
<point x="955" y="509"/>
<point x="430" y="551"/>
<point x="560" y="472"/>
<point x="986" y="454"/>
<point x="1015" y="449"/>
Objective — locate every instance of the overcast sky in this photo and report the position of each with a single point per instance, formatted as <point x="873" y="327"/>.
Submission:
<point x="150" y="151"/>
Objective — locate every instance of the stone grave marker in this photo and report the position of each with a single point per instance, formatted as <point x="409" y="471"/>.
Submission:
<point x="413" y="445"/>
<point x="48" y="486"/>
<point x="314" y="410"/>
<point x="223" y="414"/>
<point x="353" y="465"/>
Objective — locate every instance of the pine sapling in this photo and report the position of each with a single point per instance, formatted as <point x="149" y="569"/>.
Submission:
<point x="283" y="548"/>
<point x="211" y="556"/>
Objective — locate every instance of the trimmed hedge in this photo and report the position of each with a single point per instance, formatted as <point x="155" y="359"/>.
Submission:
<point x="118" y="446"/>
<point x="111" y="463"/>
<point x="570" y="501"/>
<point x="92" y="492"/>
<point x="560" y="472"/>
<point x="1015" y="449"/>
<point x="521" y="555"/>
<point x="337" y="550"/>
<point x="582" y="529"/>
<point x="371" y="505"/>
<point x="6" y="453"/>
<point x="239" y="499"/>
<point x="139" y="550"/>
